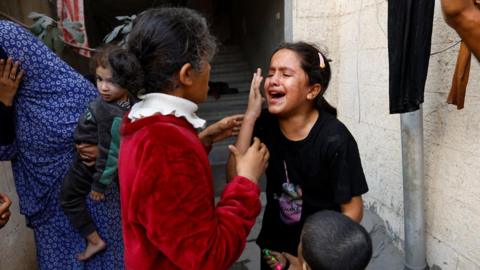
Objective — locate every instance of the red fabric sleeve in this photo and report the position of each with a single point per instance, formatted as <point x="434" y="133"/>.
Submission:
<point x="178" y="213"/>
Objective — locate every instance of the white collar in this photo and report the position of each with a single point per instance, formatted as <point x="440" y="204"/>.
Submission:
<point x="164" y="104"/>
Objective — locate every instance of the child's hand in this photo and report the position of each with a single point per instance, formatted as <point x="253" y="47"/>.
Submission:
<point x="5" y="203"/>
<point x="274" y="259"/>
<point x="9" y="80"/>
<point x="88" y="153"/>
<point x="228" y="126"/>
<point x="97" y="196"/>
<point x="253" y="162"/>
<point x="255" y="98"/>
<point x="294" y="262"/>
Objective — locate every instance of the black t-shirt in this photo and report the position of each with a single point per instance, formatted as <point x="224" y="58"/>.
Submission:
<point x="319" y="172"/>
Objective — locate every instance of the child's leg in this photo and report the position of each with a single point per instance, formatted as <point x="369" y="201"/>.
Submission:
<point x="75" y="188"/>
<point x="95" y="244"/>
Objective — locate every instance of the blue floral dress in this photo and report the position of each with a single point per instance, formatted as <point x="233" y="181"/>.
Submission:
<point x="49" y="101"/>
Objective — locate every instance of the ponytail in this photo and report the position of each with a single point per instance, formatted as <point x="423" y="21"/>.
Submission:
<point x="323" y="105"/>
<point x="126" y="70"/>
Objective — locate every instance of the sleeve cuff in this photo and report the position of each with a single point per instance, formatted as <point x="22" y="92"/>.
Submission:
<point x="99" y="187"/>
<point x="247" y="183"/>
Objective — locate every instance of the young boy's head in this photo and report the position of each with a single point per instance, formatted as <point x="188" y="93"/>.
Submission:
<point x="109" y="91"/>
<point x="331" y="240"/>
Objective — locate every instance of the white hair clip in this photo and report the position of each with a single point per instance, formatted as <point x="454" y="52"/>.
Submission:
<point x="322" y="61"/>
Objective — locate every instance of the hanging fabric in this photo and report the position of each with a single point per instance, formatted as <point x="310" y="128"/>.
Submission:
<point x="409" y="40"/>
<point x="73" y="11"/>
<point x="461" y="74"/>
<point x="460" y="77"/>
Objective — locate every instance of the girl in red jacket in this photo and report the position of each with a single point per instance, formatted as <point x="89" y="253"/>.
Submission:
<point x="169" y="217"/>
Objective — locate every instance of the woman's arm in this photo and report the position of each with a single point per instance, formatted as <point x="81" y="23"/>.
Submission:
<point x="464" y="17"/>
<point x="254" y="108"/>
<point x="9" y="82"/>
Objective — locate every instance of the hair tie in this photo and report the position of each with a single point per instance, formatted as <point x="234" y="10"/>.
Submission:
<point x="322" y="61"/>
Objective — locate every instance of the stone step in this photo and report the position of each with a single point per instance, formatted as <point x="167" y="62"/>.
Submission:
<point x="243" y="87"/>
<point x="223" y="104"/>
<point x="226" y="59"/>
<point x="219" y="153"/>
<point x="213" y="116"/>
<point x="227" y="97"/>
<point x="230" y="67"/>
<point x="242" y="77"/>
<point x="229" y="49"/>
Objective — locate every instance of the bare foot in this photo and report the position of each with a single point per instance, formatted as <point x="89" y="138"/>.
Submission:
<point x="95" y="245"/>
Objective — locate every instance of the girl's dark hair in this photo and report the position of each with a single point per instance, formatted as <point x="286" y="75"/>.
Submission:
<point x="127" y="67"/>
<point x="100" y="57"/>
<point x="162" y="40"/>
<point x="310" y="63"/>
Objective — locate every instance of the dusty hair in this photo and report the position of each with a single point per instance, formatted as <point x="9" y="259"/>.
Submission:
<point x="162" y="40"/>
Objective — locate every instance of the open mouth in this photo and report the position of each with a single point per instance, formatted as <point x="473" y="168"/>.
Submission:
<point x="276" y="95"/>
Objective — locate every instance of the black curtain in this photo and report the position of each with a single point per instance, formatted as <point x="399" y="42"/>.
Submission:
<point x="409" y="40"/>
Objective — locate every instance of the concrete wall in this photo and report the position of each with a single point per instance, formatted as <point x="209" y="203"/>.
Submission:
<point x="260" y="25"/>
<point x="355" y="34"/>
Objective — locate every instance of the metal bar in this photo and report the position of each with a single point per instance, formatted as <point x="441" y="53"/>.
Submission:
<point x="413" y="189"/>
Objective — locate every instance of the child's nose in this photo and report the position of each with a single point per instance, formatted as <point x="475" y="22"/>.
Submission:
<point x="103" y="86"/>
<point x="274" y="79"/>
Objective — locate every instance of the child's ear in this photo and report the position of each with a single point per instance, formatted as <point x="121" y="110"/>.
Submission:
<point x="313" y="91"/>
<point x="185" y="74"/>
<point x="305" y="266"/>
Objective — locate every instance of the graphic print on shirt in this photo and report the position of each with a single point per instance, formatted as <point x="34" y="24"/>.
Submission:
<point x="290" y="201"/>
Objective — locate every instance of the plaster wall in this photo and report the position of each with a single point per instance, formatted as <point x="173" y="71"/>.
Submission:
<point x="354" y="32"/>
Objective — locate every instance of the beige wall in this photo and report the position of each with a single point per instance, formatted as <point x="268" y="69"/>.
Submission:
<point x="354" y="31"/>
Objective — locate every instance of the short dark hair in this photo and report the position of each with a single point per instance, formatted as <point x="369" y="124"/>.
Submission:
<point x="309" y="56"/>
<point x="162" y="40"/>
<point x="100" y="57"/>
<point x="332" y="241"/>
